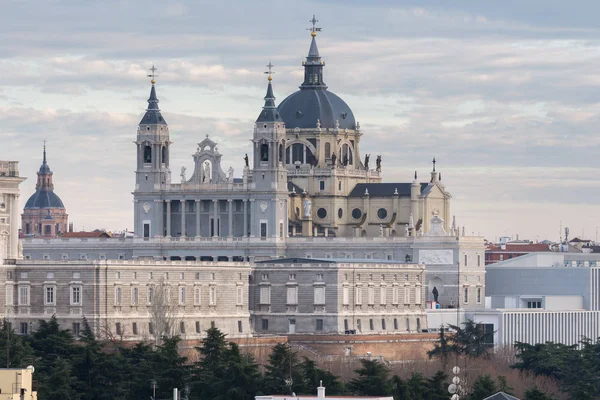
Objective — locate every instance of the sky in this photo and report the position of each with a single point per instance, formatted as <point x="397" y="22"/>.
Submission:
<point x="504" y="94"/>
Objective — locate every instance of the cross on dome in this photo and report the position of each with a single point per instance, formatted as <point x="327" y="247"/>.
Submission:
<point x="153" y="74"/>
<point x="313" y="30"/>
<point x="270" y="71"/>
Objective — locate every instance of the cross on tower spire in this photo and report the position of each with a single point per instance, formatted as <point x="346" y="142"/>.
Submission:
<point x="434" y="164"/>
<point x="153" y="74"/>
<point x="270" y="71"/>
<point x="313" y="30"/>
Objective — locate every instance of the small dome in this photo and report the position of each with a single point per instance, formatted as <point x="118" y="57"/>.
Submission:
<point x="44" y="199"/>
<point x="303" y="108"/>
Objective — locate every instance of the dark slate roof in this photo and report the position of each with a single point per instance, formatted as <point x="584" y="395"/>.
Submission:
<point x="303" y="108"/>
<point x="153" y="115"/>
<point x="291" y="185"/>
<point x="269" y="112"/>
<point x="44" y="199"/>
<point x="501" y="396"/>
<point x="383" y="189"/>
<point x="313" y="101"/>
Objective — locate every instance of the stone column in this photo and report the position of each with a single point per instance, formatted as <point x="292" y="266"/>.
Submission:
<point x="168" y="218"/>
<point x="216" y="218"/>
<point x="198" y="204"/>
<point x="245" y="232"/>
<point x="230" y="207"/>
<point x="13" y="251"/>
<point x="252" y="219"/>
<point x="158" y="224"/>
<point x="182" y="203"/>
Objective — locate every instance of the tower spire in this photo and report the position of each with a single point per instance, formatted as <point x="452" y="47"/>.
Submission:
<point x="313" y="66"/>
<point x="44" y="161"/>
<point x="269" y="112"/>
<point x="153" y="115"/>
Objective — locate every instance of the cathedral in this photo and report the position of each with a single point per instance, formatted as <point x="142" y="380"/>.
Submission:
<point x="307" y="237"/>
<point x="307" y="177"/>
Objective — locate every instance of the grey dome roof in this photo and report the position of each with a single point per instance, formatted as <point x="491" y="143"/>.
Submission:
<point x="44" y="199"/>
<point x="303" y="108"/>
<point x="313" y="101"/>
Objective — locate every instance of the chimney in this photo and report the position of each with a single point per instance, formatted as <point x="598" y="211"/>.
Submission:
<point x="320" y="391"/>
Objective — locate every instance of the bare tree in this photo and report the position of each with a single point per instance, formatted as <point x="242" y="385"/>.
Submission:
<point x="161" y="311"/>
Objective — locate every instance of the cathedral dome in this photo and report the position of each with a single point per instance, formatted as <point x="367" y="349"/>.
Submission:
<point x="44" y="196"/>
<point x="303" y="108"/>
<point x="313" y="101"/>
<point x="44" y="199"/>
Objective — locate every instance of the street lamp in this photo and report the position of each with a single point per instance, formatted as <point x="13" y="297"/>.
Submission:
<point x="153" y="386"/>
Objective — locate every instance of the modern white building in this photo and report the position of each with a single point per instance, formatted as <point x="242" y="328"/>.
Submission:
<point x="537" y="298"/>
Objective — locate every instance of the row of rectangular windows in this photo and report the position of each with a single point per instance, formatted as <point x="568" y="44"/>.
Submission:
<point x="292" y="277"/>
<point x="25" y="328"/>
<point x="75" y="295"/>
<point x="24" y="292"/>
<point x="319" y="324"/>
<point x="151" y="275"/>
<point x="319" y="295"/>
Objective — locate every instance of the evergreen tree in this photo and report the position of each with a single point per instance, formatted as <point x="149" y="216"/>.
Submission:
<point x="372" y="379"/>
<point x="242" y="377"/>
<point x="443" y="349"/>
<point x="315" y="376"/>
<point x="416" y="387"/>
<point x="20" y="354"/>
<point x="484" y="386"/>
<point x="283" y="374"/>
<point x="437" y="386"/>
<point x="171" y="368"/>
<point x="469" y="340"/>
<point x="536" y="394"/>
<point x="58" y="383"/>
<point x="209" y="372"/>
<point x="397" y="388"/>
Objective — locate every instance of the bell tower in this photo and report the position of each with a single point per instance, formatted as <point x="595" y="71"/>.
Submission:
<point x="152" y="170"/>
<point x="269" y="173"/>
<point x="268" y="141"/>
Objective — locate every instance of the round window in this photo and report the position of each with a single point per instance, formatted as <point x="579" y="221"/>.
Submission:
<point x="356" y="213"/>
<point x="340" y="213"/>
<point x="321" y="213"/>
<point x="382" y="213"/>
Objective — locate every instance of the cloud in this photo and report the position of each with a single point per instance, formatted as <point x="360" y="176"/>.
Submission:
<point x="505" y="97"/>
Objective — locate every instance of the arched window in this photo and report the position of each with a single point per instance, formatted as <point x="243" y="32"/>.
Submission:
<point x="297" y="153"/>
<point x="346" y="153"/>
<point x="264" y="152"/>
<point x="164" y="155"/>
<point x="147" y="154"/>
<point x="280" y="152"/>
<point x="327" y="150"/>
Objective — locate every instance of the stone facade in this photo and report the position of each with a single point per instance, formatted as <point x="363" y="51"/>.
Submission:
<point x="9" y="210"/>
<point x="117" y="297"/>
<point x="330" y="296"/>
